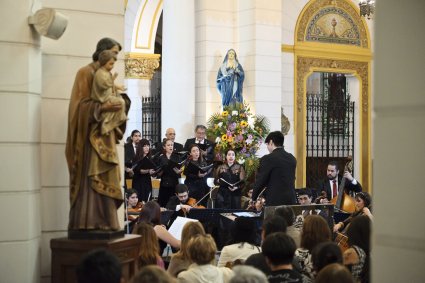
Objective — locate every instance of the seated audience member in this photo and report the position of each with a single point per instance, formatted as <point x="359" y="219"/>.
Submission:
<point x="201" y="250"/>
<point x="243" y="239"/>
<point x="180" y="261"/>
<point x="149" y="247"/>
<point x="279" y="250"/>
<point x="315" y="231"/>
<point x="152" y="274"/>
<point x="181" y="199"/>
<point x="324" y="254"/>
<point x="363" y="203"/>
<point x="248" y="274"/>
<point x="357" y="256"/>
<point x="99" y="266"/>
<point x="151" y="214"/>
<point x="334" y="273"/>
<point x="271" y="225"/>
<point x="288" y="214"/>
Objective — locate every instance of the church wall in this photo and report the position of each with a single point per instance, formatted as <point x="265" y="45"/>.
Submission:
<point x="20" y="89"/>
<point x="61" y="60"/>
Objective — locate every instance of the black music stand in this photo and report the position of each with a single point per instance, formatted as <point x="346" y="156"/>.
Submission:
<point x="166" y="217"/>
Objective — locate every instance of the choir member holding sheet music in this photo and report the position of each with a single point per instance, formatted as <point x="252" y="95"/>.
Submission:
<point x="170" y="174"/>
<point x="143" y="168"/>
<point x="230" y="176"/>
<point x="196" y="172"/>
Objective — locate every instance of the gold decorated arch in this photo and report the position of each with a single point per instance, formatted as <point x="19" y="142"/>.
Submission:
<point x="323" y="46"/>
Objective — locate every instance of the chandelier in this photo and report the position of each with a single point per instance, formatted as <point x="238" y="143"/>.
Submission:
<point x="367" y="8"/>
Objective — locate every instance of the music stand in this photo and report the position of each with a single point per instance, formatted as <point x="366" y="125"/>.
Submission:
<point x="212" y="186"/>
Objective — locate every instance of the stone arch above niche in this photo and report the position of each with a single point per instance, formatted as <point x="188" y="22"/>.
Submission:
<point x="332" y="21"/>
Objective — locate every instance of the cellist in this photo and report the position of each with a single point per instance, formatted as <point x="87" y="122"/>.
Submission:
<point x="330" y="185"/>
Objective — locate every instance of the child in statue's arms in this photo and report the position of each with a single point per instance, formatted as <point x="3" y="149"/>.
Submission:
<point x="105" y="90"/>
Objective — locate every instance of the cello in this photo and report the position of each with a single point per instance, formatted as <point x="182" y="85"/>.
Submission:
<point x="344" y="201"/>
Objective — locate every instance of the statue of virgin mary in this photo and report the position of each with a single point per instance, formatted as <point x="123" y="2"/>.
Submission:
<point x="230" y="79"/>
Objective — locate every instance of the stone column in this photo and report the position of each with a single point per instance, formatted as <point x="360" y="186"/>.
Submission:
<point x="398" y="250"/>
<point x="20" y="109"/>
<point x="178" y="68"/>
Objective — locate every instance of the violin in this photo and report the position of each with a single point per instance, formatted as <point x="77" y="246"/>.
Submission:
<point x="193" y="203"/>
<point x="134" y="212"/>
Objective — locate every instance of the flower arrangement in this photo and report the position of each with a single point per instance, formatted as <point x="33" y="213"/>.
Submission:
<point x="238" y="129"/>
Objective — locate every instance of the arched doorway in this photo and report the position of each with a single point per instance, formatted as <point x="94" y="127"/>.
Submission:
<point x="331" y="37"/>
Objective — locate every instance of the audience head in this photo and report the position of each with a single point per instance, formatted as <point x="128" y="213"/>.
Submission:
<point x="304" y="196"/>
<point x="334" y="273"/>
<point x="149" y="246"/>
<point x="244" y="229"/>
<point x="190" y="230"/>
<point x="201" y="249"/>
<point x="247" y="274"/>
<point x="358" y="232"/>
<point x="279" y="249"/>
<point x="150" y="213"/>
<point x="315" y="231"/>
<point x="99" y="266"/>
<point x="286" y="213"/>
<point x="324" y="254"/>
<point x="273" y="224"/>
<point x="152" y="274"/>
<point x="276" y="138"/>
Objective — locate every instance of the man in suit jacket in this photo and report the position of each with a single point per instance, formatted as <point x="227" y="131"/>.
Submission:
<point x="277" y="173"/>
<point x="332" y="183"/>
<point x="170" y="134"/>
<point x="200" y="133"/>
<point x="130" y="152"/>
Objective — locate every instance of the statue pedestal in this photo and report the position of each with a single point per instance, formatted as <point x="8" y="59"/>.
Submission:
<point x="66" y="255"/>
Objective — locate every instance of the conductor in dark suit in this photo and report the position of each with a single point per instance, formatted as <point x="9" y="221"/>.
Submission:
<point x="130" y="153"/>
<point x="206" y="146"/>
<point x="277" y="173"/>
<point x="333" y="181"/>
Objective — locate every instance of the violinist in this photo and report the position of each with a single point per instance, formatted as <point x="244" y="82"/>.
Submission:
<point x="181" y="200"/>
<point x="229" y="176"/>
<point x="169" y="175"/>
<point x="133" y="206"/>
<point x="363" y="203"/>
<point x="195" y="178"/>
<point x="142" y="176"/>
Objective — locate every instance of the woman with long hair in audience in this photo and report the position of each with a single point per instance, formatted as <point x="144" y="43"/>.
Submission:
<point x="142" y="176"/>
<point x="244" y="242"/>
<point x="195" y="179"/>
<point x="152" y="274"/>
<point x="180" y="261"/>
<point x="149" y="247"/>
<point x="169" y="175"/>
<point x="151" y="214"/>
<point x="315" y="231"/>
<point x="363" y="206"/>
<point x="357" y="256"/>
<point x="201" y="250"/>
<point x="230" y="172"/>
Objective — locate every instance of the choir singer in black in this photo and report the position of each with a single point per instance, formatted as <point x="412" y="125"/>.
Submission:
<point x="276" y="173"/>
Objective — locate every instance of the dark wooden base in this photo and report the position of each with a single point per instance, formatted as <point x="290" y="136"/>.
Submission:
<point x="66" y="254"/>
<point x="94" y="234"/>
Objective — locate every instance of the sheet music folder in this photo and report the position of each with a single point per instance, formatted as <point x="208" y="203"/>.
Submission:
<point x="146" y="163"/>
<point x="192" y="167"/>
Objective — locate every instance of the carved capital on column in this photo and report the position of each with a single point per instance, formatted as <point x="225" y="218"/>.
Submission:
<point x="140" y="66"/>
